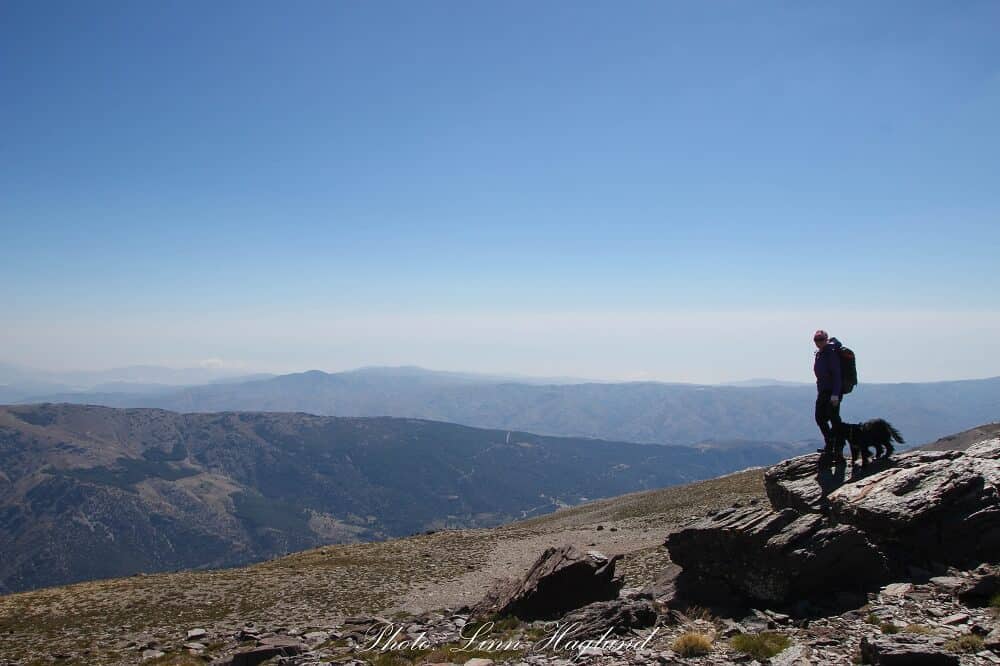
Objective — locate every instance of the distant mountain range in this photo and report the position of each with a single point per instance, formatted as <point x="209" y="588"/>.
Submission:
<point x="90" y="492"/>
<point x="649" y="412"/>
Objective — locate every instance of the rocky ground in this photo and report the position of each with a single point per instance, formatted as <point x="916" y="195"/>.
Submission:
<point x="409" y="601"/>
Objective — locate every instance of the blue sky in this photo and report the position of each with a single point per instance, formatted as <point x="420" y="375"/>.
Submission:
<point x="612" y="190"/>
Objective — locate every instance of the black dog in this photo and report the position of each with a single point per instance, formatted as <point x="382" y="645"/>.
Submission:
<point x="877" y="432"/>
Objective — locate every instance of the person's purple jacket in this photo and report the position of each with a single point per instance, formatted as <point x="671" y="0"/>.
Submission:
<point x="826" y="367"/>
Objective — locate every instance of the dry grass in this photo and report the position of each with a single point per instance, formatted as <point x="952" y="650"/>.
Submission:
<point x="760" y="646"/>
<point x="966" y="644"/>
<point x="692" y="644"/>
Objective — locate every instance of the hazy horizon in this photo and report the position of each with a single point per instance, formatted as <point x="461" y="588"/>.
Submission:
<point x="217" y="370"/>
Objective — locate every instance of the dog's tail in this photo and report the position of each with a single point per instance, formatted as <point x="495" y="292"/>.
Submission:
<point x="895" y="433"/>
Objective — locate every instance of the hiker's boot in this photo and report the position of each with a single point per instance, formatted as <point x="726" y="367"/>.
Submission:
<point x="830" y="453"/>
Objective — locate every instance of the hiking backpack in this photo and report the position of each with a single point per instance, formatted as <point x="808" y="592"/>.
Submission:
<point x="848" y="370"/>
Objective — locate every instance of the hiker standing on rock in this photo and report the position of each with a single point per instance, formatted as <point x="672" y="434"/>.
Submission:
<point x="826" y="367"/>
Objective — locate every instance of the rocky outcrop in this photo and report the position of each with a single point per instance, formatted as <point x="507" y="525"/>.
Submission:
<point x="848" y="530"/>
<point x="933" y="506"/>
<point x="774" y="557"/>
<point x="560" y="580"/>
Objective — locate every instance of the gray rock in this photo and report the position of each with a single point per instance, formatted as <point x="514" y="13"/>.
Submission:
<point x="275" y="646"/>
<point x="794" y="655"/>
<point x="773" y="557"/>
<point x="620" y="615"/>
<point x="949" y="583"/>
<point x="797" y="484"/>
<point x="560" y="580"/>
<point x="981" y="586"/>
<point x="955" y="618"/>
<point x="941" y="506"/>
<point x="906" y="650"/>
<point x="897" y="589"/>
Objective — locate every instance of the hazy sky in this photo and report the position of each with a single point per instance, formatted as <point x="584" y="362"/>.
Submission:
<point x="678" y="191"/>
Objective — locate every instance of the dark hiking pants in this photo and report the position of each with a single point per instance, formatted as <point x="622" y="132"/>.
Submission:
<point x="828" y="420"/>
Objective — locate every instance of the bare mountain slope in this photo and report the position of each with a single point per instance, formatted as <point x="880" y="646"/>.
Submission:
<point x="109" y="621"/>
<point x="963" y="440"/>
<point x="92" y="492"/>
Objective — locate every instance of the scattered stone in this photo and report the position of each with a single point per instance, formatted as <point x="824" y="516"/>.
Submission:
<point x="243" y="635"/>
<point x="897" y="589"/>
<point x="267" y="648"/>
<point x="956" y="618"/>
<point x="152" y="654"/>
<point x="906" y="650"/>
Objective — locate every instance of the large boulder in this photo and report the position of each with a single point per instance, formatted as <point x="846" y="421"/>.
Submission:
<point x="561" y="579"/>
<point x="939" y="506"/>
<point x="776" y="558"/>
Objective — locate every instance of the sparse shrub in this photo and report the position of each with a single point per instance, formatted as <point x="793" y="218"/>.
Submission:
<point x="889" y="628"/>
<point x="505" y="623"/>
<point x="692" y="644"/>
<point x="760" y="646"/>
<point x="995" y="601"/>
<point x="917" y="629"/>
<point x="699" y="613"/>
<point x="967" y="643"/>
<point x="873" y="619"/>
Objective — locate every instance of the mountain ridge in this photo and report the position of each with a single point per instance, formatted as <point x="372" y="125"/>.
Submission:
<point x="647" y="412"/>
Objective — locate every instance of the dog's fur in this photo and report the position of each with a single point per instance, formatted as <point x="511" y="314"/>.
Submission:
<point x="877" y="432"/>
